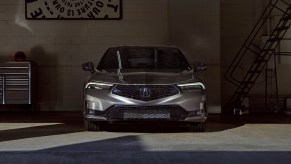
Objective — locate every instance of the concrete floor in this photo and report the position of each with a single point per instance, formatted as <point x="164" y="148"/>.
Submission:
<point x="59" y="137"/>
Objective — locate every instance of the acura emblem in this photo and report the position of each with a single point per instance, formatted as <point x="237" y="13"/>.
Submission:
<point x="144" y="92"/>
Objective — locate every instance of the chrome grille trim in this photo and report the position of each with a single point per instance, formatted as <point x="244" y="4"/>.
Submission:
<point x="139" y="92"/>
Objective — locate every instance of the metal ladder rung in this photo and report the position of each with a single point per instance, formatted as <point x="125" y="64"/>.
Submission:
<point x="275" y="39"/>
<point x="248" y="82"/>
<point x="253" y="51"/>
<point x="256" y="46"/>
<point x="268" y="50"/>
<point x="241" y="93"/>
<point x="282" y="28"/>
<point x="286" y="18"/>
<point x="254" y="72"/>
<point x="261" y="60"/>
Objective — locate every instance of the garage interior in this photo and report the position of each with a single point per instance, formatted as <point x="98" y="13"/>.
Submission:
<point x="245" y="43"/>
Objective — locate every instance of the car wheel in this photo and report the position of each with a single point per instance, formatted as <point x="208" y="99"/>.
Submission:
<point x="198" y="127"/>
<point x="92" y="126"/>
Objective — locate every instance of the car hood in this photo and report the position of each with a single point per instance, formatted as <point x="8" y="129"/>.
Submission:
<point x="145" y="77"/>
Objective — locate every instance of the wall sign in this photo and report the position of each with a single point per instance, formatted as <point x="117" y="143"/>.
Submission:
<point x="73" y="9"/>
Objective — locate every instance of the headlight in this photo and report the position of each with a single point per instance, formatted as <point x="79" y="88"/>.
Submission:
<point x="190" y="86"/>
<point x="94" y="85"/>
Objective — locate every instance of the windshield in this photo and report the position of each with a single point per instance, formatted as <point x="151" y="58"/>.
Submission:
<point x="143" y="58"/>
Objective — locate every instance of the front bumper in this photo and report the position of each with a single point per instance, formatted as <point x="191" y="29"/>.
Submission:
<point x="141" y="113"/>
<point x="103" y="119"/>
<point x="188" y="106"/>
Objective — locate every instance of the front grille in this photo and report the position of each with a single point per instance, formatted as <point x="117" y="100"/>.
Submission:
<point x="146" y="112"/>
<point x="145" y="92"/>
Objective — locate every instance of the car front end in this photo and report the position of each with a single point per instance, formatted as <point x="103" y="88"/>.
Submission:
<point x="145" y="95"/>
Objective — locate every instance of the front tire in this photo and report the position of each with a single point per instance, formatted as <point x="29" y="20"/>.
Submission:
<point x="92" y="126"/>
<point x="198" y="127"/>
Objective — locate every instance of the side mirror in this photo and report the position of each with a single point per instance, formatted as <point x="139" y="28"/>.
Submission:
<point x="199" y="67"/>
<point x="89" y="66"/>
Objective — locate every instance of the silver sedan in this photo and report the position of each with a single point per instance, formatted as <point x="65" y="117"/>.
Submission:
<point x="141" y="83"/>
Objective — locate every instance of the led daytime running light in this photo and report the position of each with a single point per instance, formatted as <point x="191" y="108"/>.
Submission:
<point x="192" y="84"/>
<point x="101" y="85"/>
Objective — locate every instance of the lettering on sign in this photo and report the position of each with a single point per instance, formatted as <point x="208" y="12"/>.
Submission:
<point x="73" y="9"/>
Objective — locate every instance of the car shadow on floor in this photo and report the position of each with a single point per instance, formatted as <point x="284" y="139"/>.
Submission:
<point x="36" y="130"/>
<point x="164" y="127"/>
<point x="70" y="122"/>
